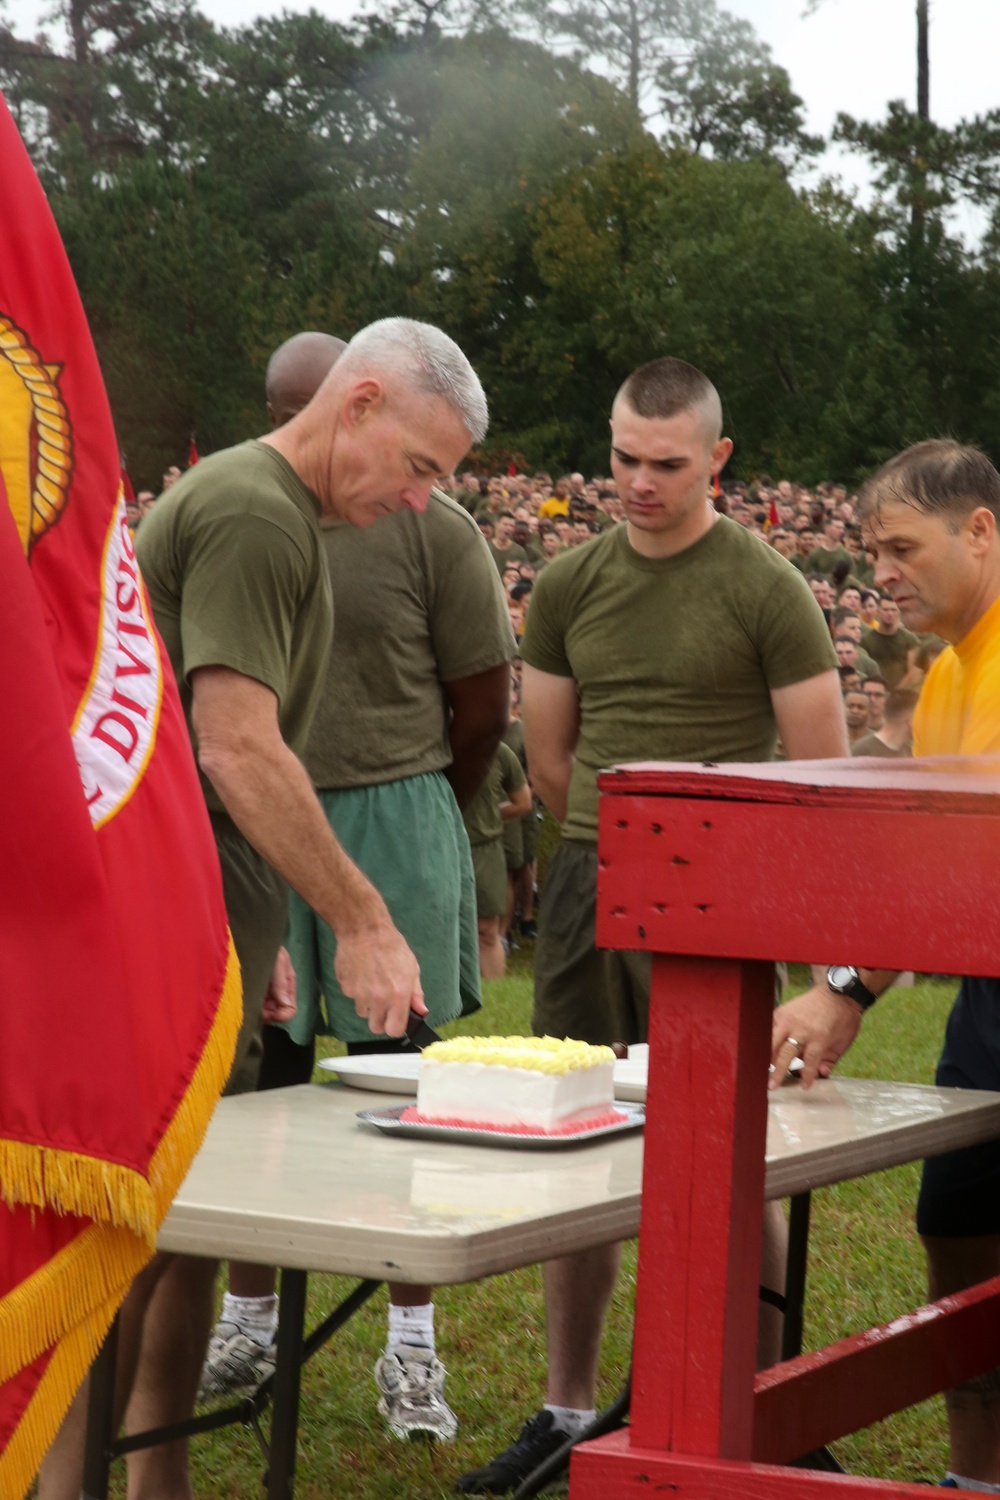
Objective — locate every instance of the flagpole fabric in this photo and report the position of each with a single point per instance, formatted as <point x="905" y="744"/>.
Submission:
<point x="119" y="988"/>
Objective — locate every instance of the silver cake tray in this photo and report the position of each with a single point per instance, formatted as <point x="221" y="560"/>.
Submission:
<point x="388" y="1120"/>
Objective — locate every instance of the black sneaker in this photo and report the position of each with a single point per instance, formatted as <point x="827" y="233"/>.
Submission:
<point x="538" y="1440"/>
<point x="529" y="929"/>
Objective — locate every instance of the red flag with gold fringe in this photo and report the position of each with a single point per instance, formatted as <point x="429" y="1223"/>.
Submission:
<point x="120" y="997"/>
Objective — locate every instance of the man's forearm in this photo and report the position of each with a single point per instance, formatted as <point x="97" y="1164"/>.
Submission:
<point x="479" y="713"/>
<point x="551" y="784"/>
<point x="471" y="757"/>
<point x="878" y="980"/>
<point x="268" y="795"/>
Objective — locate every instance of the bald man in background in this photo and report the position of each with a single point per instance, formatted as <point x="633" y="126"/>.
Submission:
<point x="410" y="715"/>
<point x="295" y="372"/>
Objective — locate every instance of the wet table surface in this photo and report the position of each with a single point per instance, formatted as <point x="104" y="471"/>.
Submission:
<point x="290" y="1177"/>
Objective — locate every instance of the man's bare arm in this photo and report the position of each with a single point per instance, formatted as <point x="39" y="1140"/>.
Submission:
<point x="550" y="712"/>
<point x="479" y="708"/>
<point x="519" y="805"/>
<point x="268" y="794"/>
<point x="810" y="718"/>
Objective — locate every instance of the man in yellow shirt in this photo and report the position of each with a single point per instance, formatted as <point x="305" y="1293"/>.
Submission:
<point x="558" y="502"/>
<point x="930" y="519"/>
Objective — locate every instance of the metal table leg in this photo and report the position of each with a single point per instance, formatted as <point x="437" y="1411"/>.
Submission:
<point x="795" y="1276"/>
<point x="287" y="1375"/>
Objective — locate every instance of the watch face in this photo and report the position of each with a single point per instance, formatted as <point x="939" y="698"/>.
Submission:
<point x="841" y="975"/>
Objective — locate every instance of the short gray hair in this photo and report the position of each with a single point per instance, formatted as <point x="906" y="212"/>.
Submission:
<point x="431" y="359"/>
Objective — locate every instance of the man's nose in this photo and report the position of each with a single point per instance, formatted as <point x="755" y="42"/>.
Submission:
<point x="885" y="571"/>
<point x="416" y="496"/>
<point x="643" y="482"/>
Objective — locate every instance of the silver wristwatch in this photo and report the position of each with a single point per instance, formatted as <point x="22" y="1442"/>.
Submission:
<point x="843" y="979"/>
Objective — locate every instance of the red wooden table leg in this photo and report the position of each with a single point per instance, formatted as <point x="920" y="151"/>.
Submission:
<point x="702" y="1206"/>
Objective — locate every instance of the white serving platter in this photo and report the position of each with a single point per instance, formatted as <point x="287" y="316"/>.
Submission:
<point x="396" y="1073"/>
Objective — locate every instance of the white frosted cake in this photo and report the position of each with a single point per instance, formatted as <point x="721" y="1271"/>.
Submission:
<point x="534" y="1085"/>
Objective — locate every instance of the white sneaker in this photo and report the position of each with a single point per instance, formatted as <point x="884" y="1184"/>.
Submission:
<point x="234" y="1361"/>
<point x="411" y="1395"/>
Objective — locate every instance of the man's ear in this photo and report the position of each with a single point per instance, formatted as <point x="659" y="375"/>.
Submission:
<point x="720" y="454"/>
<point x="364" y="399"/>
<point x="981" y="529"/>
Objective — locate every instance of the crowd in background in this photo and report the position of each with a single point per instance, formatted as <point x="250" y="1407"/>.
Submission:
<point x="528" y="520"/>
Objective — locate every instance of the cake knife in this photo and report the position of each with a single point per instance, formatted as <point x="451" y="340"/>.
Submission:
<point x="418" y="1033"/>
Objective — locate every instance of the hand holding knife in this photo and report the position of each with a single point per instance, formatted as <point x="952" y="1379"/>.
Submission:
<point x="418" y="1033"/>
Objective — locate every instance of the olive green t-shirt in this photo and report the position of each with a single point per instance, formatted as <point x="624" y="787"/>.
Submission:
<point x="870" y="744"/>
<point x="674" y="658"/>
<point x="507" y="557"/>
<point x="866" y="666"/>
<point x="418" y="604"/>
<point x="482" y="816"/>
<point x="889" y="652"/>
<point x="232" y="558"/>
<point x="824" y="560"/>
<point x="513" y="738"/>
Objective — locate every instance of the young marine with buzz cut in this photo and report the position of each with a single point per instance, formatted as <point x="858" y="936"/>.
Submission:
<point x="677" y="636"/>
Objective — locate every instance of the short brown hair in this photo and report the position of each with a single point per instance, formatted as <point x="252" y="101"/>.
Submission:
<point x="900" y="702"/>
<point x="940" y="477"/>
<point x="665" y="387"/>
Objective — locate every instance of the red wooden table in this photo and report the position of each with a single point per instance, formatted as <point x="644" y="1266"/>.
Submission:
<point x="716" y="871"/>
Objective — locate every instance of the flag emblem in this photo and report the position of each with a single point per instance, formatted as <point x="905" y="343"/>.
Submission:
<point x="35" y="435"/>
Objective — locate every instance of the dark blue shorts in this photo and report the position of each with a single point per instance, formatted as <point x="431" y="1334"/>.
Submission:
<point x="960" y="1191"/>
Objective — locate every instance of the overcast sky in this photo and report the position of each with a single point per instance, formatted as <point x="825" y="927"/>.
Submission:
<point x="851" y="55"/>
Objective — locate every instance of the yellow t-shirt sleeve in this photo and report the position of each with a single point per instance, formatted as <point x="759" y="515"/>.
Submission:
<point x="956" y="715"/>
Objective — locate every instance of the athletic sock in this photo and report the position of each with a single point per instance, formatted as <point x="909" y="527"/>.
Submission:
<point x="570" y="1419"/>
<point x="978" y="1486"/>
<point x="257" y="1317"/>
<point x="410" y="1325"/>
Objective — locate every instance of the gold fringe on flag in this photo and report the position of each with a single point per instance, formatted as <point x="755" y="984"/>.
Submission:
<point x="68" y="1304"/>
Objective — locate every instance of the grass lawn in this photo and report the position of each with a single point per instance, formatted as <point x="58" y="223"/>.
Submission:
<point x="865" y="1266"/>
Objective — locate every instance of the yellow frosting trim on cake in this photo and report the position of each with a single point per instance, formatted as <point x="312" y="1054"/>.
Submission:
<point x="539" y="1054"/>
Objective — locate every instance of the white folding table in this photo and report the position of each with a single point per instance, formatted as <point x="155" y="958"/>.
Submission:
<point x="289" y="1177"/>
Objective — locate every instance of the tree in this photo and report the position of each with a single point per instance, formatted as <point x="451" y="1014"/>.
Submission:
<point x="722" y="264"/>
<point x="129" y="71"/>
<point x="630" y="41"/>
<point x="219" y="190"/>
<point x="726" y="95"/>
<point x="526" y="120"/>
<point x="918" y="205"/>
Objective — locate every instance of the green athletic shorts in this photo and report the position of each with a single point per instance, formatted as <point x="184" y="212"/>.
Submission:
<point x="409" y="839"/>
<point x="529" y="834"/>
<point x="520" y="840"/>
<point x="490" y="867"/>
<point x="257" y="908"/>
<point x="513" y="842"/>
<point x="581" y="991"/>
